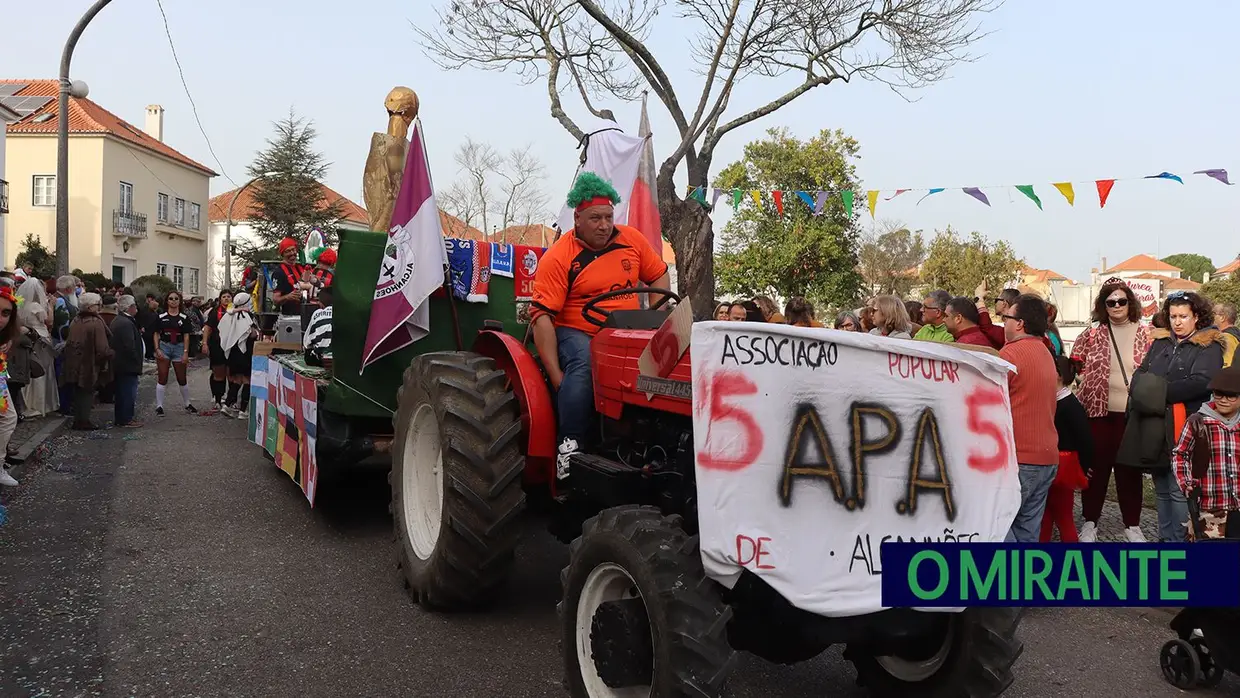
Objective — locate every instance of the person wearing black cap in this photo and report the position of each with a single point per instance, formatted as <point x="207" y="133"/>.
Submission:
<point x="1205" y="457"/>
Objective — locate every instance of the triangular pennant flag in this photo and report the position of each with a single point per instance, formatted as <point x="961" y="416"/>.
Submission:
<point x="1166" y="175"/>
<point x="809" y="200"/>
<point x="1104" y="190"/>
<point x="1027" y="190"/>
<point x="700" y="195"/>
<point x="1220" y="175"/>
<point x="689" y="191"/>
<point x="929" y="193"/>
<point x="977" y="194"/>
<point x="714" y="199"/>
<point x="778" y="196"/>
<point x="757" y="198"/>
<point x="820" y="203"/>
<point x="737" y="195"/>
<point x="1065" y="188"/>
<point x="872" y="197"/>
<point x="898" y="192"/>
<point x="847" y="196"/>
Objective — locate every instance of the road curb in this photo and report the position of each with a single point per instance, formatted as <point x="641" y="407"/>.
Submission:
<point x="26" y="451"/>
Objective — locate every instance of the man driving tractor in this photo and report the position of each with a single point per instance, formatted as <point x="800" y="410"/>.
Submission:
<point x="595" y="257"/>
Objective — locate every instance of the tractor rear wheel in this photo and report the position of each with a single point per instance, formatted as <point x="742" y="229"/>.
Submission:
<point x="639" y="616"/>
<point x="972" y="658"/>
<point x="456" y="479"/>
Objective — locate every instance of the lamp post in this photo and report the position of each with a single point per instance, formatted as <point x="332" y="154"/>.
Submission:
<point x="228" y="226"/>
<point x="75" y="89"/>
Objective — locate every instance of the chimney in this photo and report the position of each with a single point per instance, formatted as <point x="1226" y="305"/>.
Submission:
<point x="155" y="122"/>
<point x="1104" y="264"/>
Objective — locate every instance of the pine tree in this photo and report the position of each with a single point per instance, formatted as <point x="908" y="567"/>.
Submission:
<point x="290" y="202"/>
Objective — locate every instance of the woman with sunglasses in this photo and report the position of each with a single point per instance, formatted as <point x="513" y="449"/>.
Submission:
<point x="172" y="331"/>
<point x="1109" y="351"/>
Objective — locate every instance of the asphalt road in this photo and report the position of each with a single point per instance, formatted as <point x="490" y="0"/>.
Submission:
<point x="175" y="560"/>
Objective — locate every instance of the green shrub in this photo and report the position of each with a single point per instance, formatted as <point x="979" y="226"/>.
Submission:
<point x="152" y="283"/>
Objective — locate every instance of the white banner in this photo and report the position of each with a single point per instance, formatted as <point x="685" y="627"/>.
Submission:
<point x="814" y="446"/>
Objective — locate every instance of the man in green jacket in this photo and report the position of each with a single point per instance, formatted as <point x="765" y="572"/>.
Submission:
<point x="933" y="311"/>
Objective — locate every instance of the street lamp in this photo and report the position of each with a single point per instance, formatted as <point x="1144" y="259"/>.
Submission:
<point x="79" y="90"/>
<point x="228" y="225"/>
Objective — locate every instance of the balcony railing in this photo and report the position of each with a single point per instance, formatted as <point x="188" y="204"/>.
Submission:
<point x="129" y="224"/>
<point x="4" y="196"/>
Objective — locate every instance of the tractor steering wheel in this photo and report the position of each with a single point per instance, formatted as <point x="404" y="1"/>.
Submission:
<point x="601" y="320"/>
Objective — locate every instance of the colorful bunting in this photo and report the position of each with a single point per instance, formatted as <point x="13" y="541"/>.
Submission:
<point x="1065" y="188"/>
<point x="977" y="194"/>
<point x="1027" y="190"/>
<point x="1220" y="175"/>
<point x="1166" y="175"/>
<point x="816" y="201"/>
<point x="1104" y="190"/>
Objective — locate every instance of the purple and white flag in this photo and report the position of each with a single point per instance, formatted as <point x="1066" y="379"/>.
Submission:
<point x="413" y="261"/>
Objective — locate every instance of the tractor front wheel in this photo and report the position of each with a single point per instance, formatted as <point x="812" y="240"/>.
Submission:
<point x="456" y="479"/>
<point x="639" y="616"/>
<point x="972" y="657"/>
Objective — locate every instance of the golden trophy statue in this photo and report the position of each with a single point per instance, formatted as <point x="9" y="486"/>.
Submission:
<point x="386" y="162"/>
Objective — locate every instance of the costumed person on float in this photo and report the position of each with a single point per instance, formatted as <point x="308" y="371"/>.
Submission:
<point x="321" y="274"/>
<point x="289" y="287"/>
<point x="595" y="257"/>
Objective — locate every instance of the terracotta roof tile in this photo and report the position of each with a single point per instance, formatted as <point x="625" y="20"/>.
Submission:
<point x="217" y="207"/>
<point x="1230" y="267"/>
<point x="1142" y="262"/>
<point x="1170" y="283"/>
<point x="86" y="116"/>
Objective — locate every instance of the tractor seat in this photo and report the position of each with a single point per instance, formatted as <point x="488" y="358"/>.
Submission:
<point x="636" y="319"/>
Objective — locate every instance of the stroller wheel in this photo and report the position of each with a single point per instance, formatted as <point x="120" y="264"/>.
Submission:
<point x="1211" y="672"/>
<point x="1180" y="666"/>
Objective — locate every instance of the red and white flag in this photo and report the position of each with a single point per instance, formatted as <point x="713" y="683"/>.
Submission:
<point x="644" y="200"/>
<point x="413" y="262"/>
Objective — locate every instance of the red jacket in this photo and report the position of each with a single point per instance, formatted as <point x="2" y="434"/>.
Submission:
<point x="975" y="336"/>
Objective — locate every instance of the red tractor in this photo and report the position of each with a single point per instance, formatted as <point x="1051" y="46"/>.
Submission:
<point x="474" y="448"/>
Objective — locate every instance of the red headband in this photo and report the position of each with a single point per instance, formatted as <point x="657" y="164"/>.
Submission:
<point x="595" y="201"/>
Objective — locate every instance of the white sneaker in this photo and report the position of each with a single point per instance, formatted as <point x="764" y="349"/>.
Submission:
<point x="7" y="480"/>
<point x="1134" y="534"/>
<point x="565" y="450"/>
<point x="1089" y="532"/>
<point x="243" y="415"/>
<point x="228" y="411"/>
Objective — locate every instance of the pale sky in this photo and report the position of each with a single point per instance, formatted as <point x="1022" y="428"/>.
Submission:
<point x="1064" y="91"/>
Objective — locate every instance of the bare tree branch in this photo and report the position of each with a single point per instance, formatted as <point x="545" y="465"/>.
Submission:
<point x="508" y="187"/>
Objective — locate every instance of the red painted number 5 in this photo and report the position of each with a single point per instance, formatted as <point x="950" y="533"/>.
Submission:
<point x="665" y="350"/>
<point x="712" y="394"/>
<point x="997" y="457"/>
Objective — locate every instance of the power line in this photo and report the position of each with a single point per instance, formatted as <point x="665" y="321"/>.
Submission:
<point x="192" y="105"/>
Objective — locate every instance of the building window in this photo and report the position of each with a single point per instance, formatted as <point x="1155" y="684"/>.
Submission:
<point x="161" y="269"/>
<point x="178" y="278"/>
<point x="161" y="208"/>
<point x="126" y="197"/>
<point x="193" y="282"/>
<point x="44" y="190"/>
<point x="195" y="217"/>
<point x="178" y="212"/>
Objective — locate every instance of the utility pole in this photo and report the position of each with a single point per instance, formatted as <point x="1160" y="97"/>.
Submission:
<point x="67" y="89"/>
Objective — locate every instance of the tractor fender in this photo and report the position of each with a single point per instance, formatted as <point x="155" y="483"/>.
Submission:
<point x="537" y="411"/>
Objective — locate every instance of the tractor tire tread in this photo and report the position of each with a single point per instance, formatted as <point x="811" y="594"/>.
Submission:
<point x="479" y="422"/>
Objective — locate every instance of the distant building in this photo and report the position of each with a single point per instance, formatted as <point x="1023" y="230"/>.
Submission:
<point x="1226" y="271"/>
<point x="136" y="204"/>
<point x="7" y="116"/>
<point x="1140" y="264"/>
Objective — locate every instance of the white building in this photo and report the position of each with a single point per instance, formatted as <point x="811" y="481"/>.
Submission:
<point x="354" y="218"/>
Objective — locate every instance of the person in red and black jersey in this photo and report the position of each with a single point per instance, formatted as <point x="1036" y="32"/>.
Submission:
<point x="290" y="288"/>
<point x="172" y="332"/>
<point x="211" y="346"/>
<point x="320" y="277"/>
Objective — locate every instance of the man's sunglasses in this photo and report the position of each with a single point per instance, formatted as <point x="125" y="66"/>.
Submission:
<point x="1117" y="302"/>
<point x="1011" y="317"/>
